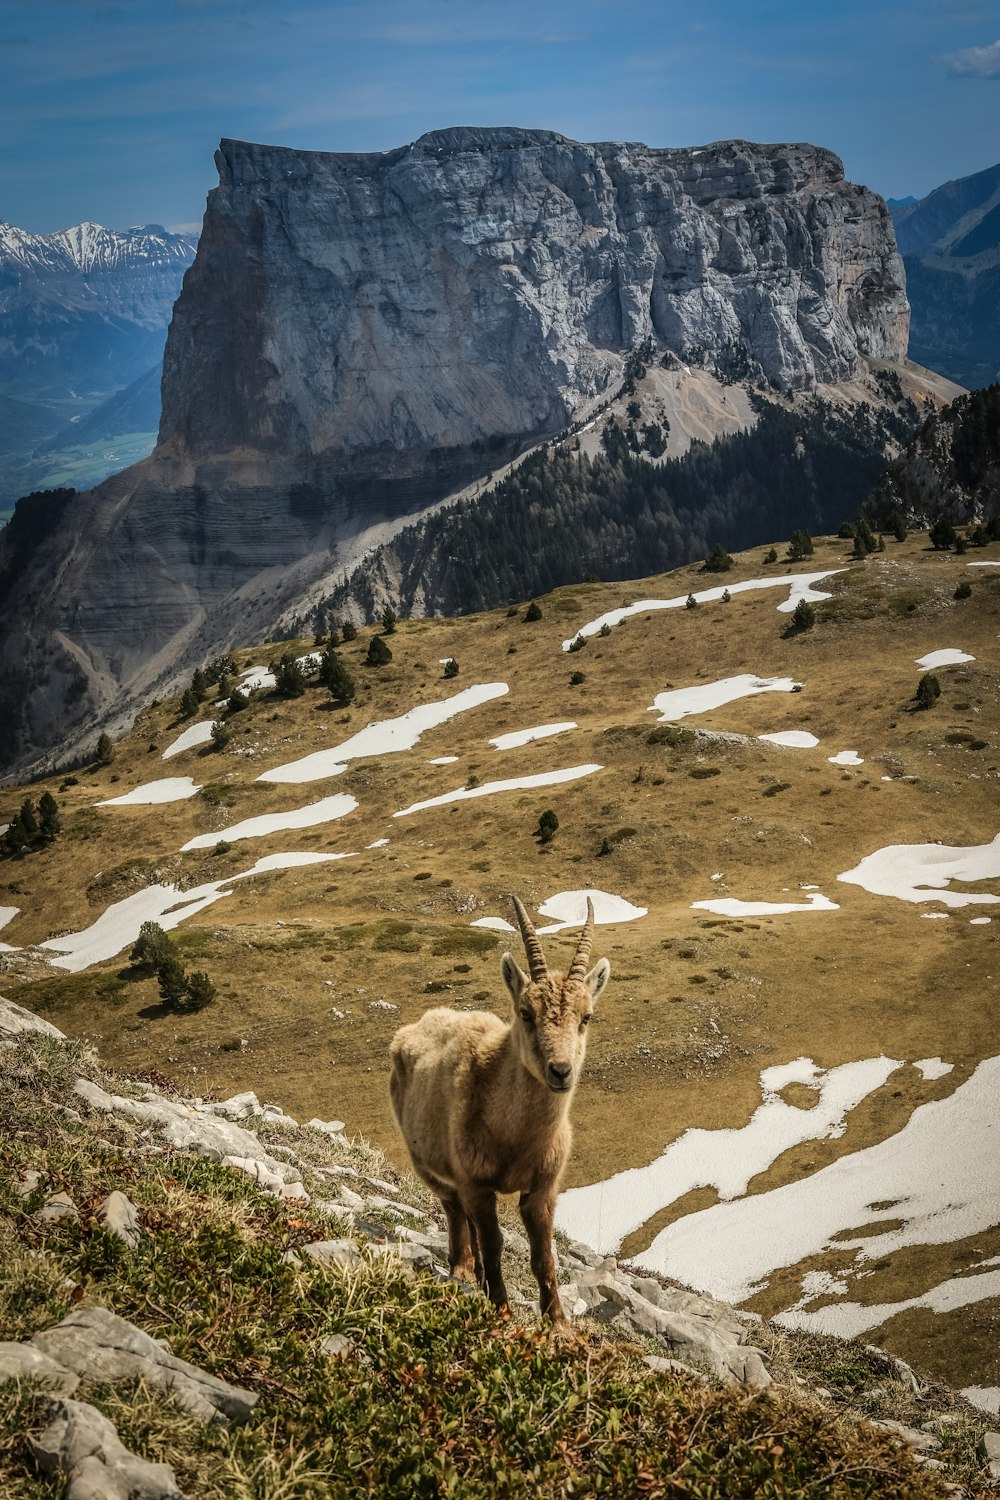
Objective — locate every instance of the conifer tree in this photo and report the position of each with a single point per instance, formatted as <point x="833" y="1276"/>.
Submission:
<point x="378" y="652"/>
<point x="336" y="678"/>
<point x="105" y="750"/>
<point x="349" y="630"/>
<point x="48" y="817"/>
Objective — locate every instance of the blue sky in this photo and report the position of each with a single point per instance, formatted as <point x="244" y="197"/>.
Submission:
<point x="112" y="111"/>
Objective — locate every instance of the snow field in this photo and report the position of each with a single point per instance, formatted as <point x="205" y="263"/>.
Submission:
<point x="922" y="872"/>
<point x="198" y="734"/>
<point x="118" y="926"/>
<point x="385" y="737"/>
<point x="799" y="585"/>
<point x="569" y="909"/>
<point x="845" y="758"/>
<point x="7" y="914"/>
<point x="727" y="906"/>
<point x="678" y="703"/>
<point x="528" y="736"/>
<point x="948" y="657"/>
<point x="795" y="739"/>
<point x="931" y="1172"/>
<point x="324" y="811"/>
<point x="724" y="1159"/>
<point x="169" y="789"/>
<point x="490" y="788"/>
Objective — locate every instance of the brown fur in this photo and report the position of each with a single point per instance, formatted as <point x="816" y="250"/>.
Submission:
<point x="483" y="1107"/>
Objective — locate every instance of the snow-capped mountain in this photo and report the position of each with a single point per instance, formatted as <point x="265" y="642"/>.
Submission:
<point x="90" y="247"/>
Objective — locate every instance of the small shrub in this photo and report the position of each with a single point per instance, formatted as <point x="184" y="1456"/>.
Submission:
<point x="576" y="678"/>
<point x="846" y="532"/>
<point x="451" y="667"/>
<point x="605" y="630"/>
<point x="547" y="825"/>
<point x="200" y="991"/>
<point x="512" y="612"/>
<point x="718" y="560"/>
<point x="964" y="590"/>
<point x="289" y="676"/>
<point x="221" y="735"/>
<point x="776" y="787"/>
<point x="727" y="597"/>
<point x="349" y="630"/>
<point x="236" y="701"/>
<point x="928" y="691"/>
<point x="151" y="948"/>
<point x="577" y="644"/>
<point x="690" y="602"/>
<point x="804" y="615"/>
<point x="772" y="556"/>
<point x="533" y="611"/>
<point x="378" y="652"/>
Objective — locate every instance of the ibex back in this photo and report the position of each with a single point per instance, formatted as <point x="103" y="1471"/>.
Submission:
<point x="483" y="1107"/>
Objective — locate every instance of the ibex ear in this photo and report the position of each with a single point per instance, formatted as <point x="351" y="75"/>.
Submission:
<point x="514" y="978"/>
<point x="598" y="978"/>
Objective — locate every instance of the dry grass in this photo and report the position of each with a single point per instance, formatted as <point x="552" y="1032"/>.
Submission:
<point x="307" y="960"/>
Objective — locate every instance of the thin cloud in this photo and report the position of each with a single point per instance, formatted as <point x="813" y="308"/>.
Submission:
<point x="974" y="62"/>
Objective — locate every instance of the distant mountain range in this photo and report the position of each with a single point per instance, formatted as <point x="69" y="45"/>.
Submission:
<point x="83" y="316"/>
<point x="950" y="244"/>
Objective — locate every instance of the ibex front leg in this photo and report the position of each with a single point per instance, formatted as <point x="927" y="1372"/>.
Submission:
<point x="538" y="1212"/>
<point x="482" y="1210"/>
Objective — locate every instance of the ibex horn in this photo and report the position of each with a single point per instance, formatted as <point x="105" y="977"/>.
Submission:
<point x="537" y="966"/>
<point x="578" y="967"/>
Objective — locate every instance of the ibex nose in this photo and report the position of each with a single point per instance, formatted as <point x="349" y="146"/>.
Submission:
<point x="559" y="1075"/>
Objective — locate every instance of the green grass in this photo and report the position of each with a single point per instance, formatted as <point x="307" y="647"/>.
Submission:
<point x="439" y="1395"/>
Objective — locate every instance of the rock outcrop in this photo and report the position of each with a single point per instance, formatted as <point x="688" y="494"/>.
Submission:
<point x="360" y="336"/>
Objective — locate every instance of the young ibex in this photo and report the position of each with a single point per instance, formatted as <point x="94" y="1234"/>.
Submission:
<point x="484" y="1108"/>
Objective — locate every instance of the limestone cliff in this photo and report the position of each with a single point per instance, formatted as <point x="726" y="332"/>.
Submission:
<point x="361" y="335"/>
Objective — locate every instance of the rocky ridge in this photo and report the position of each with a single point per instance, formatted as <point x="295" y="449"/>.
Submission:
<point x="686" y="1336"/>
<point x="362" y="336"/>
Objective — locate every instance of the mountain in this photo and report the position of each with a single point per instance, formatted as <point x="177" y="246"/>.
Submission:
<point x="950" y="467"/>
<point x="83" y="313"/>
<point x="950" y="243"/>
<point x="361" y="337"/>
<point x="791" y="1083"/>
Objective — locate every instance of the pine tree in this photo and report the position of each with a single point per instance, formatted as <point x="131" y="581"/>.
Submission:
<point x="289" y="677"/>
<point x="173" y="982"/>
<point x="200" y="991"/>
<point x="336" y="678"/>
<point x="800" y="546"/>
<point x="547" y="825"/>
<point x="388" y="620"/>
<point x="378" y="652"/>
<point x="349" y="630"/>
<point x="105" y="753"/>
<point x="772" y="556"/>
<point x="928" y="691"/>
<point x="690" y="602"/>
<point x="48" y="817"/>
<point x="942" y="534"/>
<point x="152" y="947"/>
<point x="718" y="560"/>
<point x="898" y="526"/>
<point x="533" y="611"/>
<point x="199" y="684"/>
<point x="28" y="818"/>
<point x="236" y="701"/>
<point x="451" y="667"/>
<point x="221" y="734"/>
<point x="804" y="615"/>
<point x="190" y="703"/>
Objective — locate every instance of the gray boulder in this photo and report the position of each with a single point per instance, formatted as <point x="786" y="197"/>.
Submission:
<point x="23" y="1362"/>
<point x="97" y="1343"/>
<point x="15" y="1022"/>
<point x="120" y="1217"/>
<point x="82" y="1447"/>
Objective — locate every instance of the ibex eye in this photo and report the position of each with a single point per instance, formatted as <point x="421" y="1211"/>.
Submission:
<point x="584" y="1021"/>
<point x="527" y="1018"/>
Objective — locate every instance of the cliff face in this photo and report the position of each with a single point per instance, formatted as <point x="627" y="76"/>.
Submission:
<point x="484" y="282"/>
<point x="361" y="335"/>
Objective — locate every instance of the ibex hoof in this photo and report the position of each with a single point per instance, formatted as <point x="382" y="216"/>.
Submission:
<point x="564" y="1340"/>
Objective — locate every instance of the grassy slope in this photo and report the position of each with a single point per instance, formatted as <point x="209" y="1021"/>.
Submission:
<point x="698" y="1005"/>
<point x="437" y="1396"/>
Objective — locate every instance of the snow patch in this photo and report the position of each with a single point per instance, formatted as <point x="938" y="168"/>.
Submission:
<point x="724" y="1159"/>
<point x="443" y="760"/>
<point x="493" y="924"/>
<point x="931" y="1172"/>
<point x="169" y="789"/>
<point x="728" y="906"/>
<point x="678" y="703"/>
<point x="198" y="734"/>
<point x="514" y="784"/>
<point x="933" y="1067"/>
<point x="949" y="657"/>
<point x="921" y="872"/>
<point x="845" y="758"/>
<point x="118" y="926"/>
<point x="527" y="736"/>
<point x="795" y="739"/>
<point x="324" y="811"/>
<point x="387" y="736"/>
<point x="378" y="844"/>
<point x="799" y="585"/>
<point x="569" y="909"/>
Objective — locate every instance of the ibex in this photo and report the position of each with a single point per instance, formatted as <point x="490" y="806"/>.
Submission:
<point x="484" y="1109"/>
